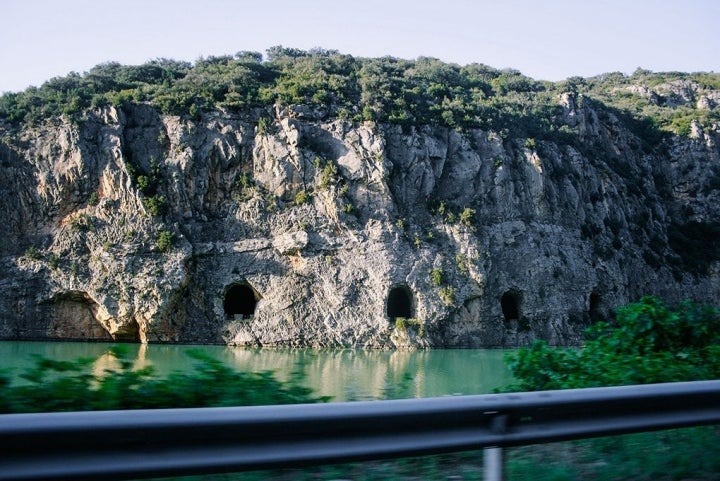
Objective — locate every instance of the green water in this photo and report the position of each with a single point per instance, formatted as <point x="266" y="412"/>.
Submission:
<point x="344" y="374"/>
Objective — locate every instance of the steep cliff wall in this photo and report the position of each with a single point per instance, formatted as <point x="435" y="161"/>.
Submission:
<point x="288" y="227"/>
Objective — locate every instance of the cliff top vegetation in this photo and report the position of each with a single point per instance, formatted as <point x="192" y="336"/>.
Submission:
<point x="425" y="91"/>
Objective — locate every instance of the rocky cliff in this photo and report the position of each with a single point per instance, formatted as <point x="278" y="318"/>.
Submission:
<point x="289" y="226"/>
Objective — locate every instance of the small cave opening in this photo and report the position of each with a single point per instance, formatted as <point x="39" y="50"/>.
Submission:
<point x="240" y="300"/>
<point x="595" y="310"/>
<point x="73" y="316"/>
<point x="510" y="304"/>
<point x="130" y="333"/>
<point x="400" y="303"/>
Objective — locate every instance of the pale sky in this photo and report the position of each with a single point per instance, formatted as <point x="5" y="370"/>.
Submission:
<point x="546" y="40"/>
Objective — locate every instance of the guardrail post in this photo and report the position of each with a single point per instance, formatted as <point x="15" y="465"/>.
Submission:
<point x="493" y="463"/>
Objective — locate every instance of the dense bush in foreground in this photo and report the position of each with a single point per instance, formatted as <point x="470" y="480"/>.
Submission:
<point x="70" y="386"/>
<point x="649" y="342"/>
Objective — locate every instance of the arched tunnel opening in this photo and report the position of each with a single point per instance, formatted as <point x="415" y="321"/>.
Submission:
<point x="73" y="315"/>
<point x="400" y="303"/>
<point x="595" y="307"/>
<point x="510" y="304"/>
<point x="240" y="300"/>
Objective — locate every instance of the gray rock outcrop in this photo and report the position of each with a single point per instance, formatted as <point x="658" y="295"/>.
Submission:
<point x="307" y="231"/>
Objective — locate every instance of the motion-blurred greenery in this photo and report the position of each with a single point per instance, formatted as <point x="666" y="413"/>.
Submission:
<point x="647" y="342"/>
<point x="71" y="386"/>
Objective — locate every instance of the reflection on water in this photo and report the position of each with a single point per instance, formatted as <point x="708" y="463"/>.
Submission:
<point x="344" y="374"/>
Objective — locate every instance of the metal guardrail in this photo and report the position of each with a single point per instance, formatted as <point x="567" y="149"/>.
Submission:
<point x="167" y="442"/>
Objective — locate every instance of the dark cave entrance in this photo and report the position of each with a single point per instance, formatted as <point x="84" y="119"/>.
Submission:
<point x="510" y="304"/>
<point x="73" y="316"/>
<point x="131" y="333"/>
<point x="595" y="307"/>
<point x="240" y="300"/>
<point x="400" y="303"/>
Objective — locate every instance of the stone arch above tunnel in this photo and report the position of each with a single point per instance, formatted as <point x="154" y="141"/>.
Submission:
<point x="240" y="301"/>
<point x="73" y="316"/>
<point x="400" y="302"/>
<point x="510" y="305"/>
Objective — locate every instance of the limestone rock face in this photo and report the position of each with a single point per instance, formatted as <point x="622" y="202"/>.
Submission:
<point x="274" y="228"/>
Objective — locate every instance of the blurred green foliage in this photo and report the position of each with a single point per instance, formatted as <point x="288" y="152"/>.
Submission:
<point x="649" y="342"/>
<point x="72" y="386"/>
